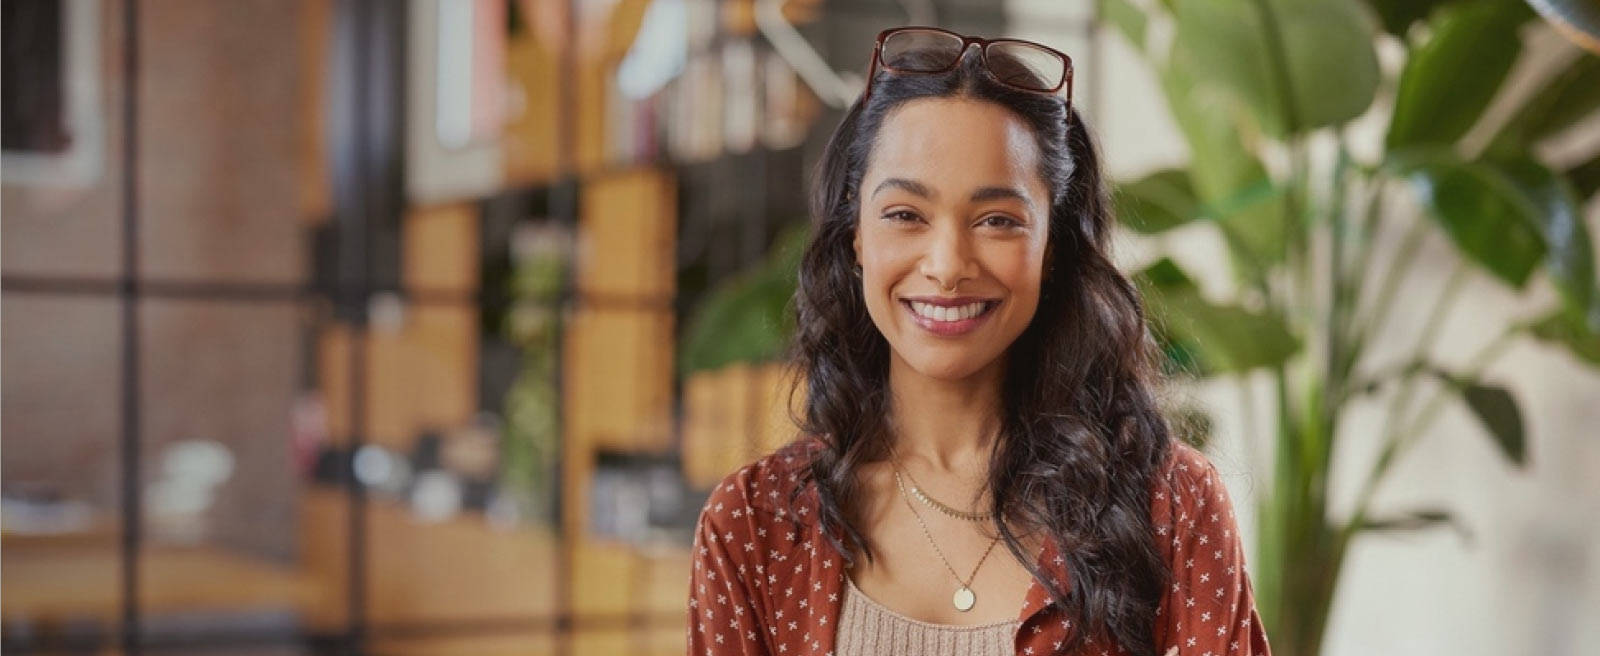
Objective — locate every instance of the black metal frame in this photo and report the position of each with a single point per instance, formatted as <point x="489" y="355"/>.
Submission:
<point x="132" y="506"/>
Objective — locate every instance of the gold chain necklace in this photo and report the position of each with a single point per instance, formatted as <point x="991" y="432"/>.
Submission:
<point x="964" y="599"/>
<point x="916" y="491"/>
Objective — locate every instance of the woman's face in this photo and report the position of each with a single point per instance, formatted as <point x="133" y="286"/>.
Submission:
<point x="952" y="198"/>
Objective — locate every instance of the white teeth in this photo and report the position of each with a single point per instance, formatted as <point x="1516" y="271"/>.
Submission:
<point x="938" y="313"/>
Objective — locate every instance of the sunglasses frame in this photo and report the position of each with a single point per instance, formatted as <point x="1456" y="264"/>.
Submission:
<point x="966" y="43"/>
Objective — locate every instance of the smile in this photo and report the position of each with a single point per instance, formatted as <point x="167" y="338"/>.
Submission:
<point x="949" y="321"/>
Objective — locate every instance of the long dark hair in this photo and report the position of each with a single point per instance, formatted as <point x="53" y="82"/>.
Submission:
<point x="1082" y="434"/>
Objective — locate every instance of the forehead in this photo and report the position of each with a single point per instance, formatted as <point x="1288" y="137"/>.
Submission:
<point x="955" y="143"/>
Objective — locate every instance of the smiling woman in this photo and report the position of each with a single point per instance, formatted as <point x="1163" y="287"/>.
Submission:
<point x="976" y="372"/>
<point x="957" y="206"/>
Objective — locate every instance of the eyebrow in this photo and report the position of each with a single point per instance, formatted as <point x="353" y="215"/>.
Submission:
<point x="978" y="195"/>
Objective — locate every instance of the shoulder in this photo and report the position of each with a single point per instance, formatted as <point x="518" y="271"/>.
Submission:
<point x="1187" y="466"/>
<point x="764" y="489"/>
<point x="1187" y="482"/>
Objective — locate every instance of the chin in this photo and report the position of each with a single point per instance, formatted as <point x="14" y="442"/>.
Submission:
<point x="944" y="366"/>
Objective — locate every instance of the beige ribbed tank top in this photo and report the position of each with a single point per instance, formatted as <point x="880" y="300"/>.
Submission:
<point x="868" y="627"/>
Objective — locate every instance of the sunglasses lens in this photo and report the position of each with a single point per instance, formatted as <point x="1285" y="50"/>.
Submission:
<point x="1025" y="65"/>
<point x="921" y="51"/>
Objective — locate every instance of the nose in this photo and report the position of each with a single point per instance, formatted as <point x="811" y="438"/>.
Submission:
<point x="948" y="260"/>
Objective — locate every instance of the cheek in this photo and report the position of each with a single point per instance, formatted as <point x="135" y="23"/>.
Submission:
<point x="1019" y="270"/>
<point x="883" y="246"/>
<point x="888" y="262"/>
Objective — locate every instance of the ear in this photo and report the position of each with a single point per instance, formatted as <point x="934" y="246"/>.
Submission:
<point x="855" y="244"/>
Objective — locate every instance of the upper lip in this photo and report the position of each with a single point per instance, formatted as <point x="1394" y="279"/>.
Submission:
<point x="950" y="301"/>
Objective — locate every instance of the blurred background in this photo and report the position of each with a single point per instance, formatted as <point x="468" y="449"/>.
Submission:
<point x="425" y="327"/>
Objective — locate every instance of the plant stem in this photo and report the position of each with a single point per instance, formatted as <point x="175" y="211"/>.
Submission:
<point x="1356" y="276"/>
<point x="1404" y="258"/>
<point x="1398" y="371"/>
<point x="1333" y="385"/>
<point x="1393" y="436"/>
<point x="1441" y="306"/>
<point x="1294" y="235"/>
<point x="1280" y="66"/>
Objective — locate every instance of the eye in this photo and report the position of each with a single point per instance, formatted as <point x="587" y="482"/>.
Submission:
<point x="894" y="216"/>
<point x="1004" y="221"/>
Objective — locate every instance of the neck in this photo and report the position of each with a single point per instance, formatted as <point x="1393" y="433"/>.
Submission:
<point x="948" y="425"/>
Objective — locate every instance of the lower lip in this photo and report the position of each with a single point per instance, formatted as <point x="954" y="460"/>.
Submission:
<point x="949" y="328"/>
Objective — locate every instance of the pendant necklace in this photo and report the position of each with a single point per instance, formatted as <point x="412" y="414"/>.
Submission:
<point x="964" y="598"/>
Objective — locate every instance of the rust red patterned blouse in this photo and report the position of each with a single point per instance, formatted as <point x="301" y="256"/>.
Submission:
<point x="759" y="586"/>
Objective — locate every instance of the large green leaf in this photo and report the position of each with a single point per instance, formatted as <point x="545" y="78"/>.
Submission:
<point x="1222" y="339"/>
<point x="1569" y="251"/>
<point x="745" y="318"/>
<point x="1561" y="328"/>
<point x="1157" y="202"/>
<point x="1398" y="16"/>
<point x="1165" y="277"/>
<point x="1253" y="222"/>
<point x="1497" y="409"/>
<point x="1180" y="353"/>
<point x="1585" y="177"/>
<point x="1227" y="177"/>
<point x="1485" y="213"/>
<point x="1213" y="124"/>
<point x="1327" y="58"/>
<point x="1452" y="76"/>
<point x="1231" y="339"/>
<point x="1570" y="96"/>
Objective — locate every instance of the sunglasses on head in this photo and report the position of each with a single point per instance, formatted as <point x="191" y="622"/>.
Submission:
<point x="1016" y="63"/>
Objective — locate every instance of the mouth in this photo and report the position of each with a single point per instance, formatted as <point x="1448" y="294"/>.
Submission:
<point x="946" y="320"/>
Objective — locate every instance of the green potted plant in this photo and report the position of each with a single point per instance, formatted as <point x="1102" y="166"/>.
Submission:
<point x="746" y="318"/>
<point x="1263" y="92"/>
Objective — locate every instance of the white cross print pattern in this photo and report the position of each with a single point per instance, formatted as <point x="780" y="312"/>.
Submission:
<point x="790" y="605"/>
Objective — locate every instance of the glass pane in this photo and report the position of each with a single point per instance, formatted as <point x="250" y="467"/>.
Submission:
<point x="230" y="439"/>
<point x="462" y="434"/>
<point x="220" y="194"/>
<point x="61" y="418"/>
<point x="61" y="198"/>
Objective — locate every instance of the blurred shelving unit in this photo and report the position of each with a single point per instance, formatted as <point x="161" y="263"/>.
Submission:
<point x="659" y="195"/>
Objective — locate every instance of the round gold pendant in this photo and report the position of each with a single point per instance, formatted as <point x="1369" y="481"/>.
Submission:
<point x="965" y="599"/>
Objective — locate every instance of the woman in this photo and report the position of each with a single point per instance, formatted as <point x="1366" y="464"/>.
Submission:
<point x="977" y="373"/>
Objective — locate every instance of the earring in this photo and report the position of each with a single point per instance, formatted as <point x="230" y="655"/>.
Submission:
<point x="856" y="270"/>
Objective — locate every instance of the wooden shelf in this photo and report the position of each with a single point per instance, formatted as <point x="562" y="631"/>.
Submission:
<point x="465" y="569"/>
<point x="732" y="416"/>
<point x="51" y="583"/>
